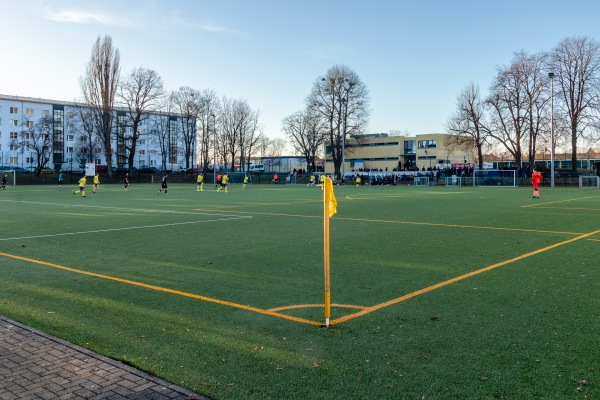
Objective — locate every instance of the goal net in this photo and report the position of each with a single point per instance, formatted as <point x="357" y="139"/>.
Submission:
<point x="589" y="181"/>
<point x="11" y="176"/>
<point x="495" y="178"/>
<point x="421" y="181"/>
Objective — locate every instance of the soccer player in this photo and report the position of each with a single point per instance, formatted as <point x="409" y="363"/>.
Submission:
<point x="321" y="181"/>
<point x="81" y="190"/>
<point x="358" y="181"/>
<point x="536" y="178"/>
<point x="311" y="180"/>
<point x="163" y="184"/>
<point x="126" y="180"/>
<point x="275" y="178"/>
<point x="96" y="183"/>
<point x="200" y="181"/>
<point x="4" y="181"/>
<point x="224" y="180"/>
<point x="219" y="177"/>
<point x="245" y="182"/>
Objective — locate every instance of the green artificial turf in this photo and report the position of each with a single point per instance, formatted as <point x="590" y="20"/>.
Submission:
<point x="195" y="287"/>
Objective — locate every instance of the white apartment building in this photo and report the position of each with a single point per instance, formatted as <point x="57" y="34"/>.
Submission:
<point x="63" y="133"/>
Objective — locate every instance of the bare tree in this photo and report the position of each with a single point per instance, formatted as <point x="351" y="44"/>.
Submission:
<point x="81" y="121"/>
<point x="508" y="104"/>
<point x="468" y="125"/>
<point x="576" y="63"/>
<point x="37" y="139"/>
<point x="342" y="100"/>
<point x="209" y="107"/>
<point x="537" y="99"/>
<point x="165" y="127"/>
<point x="141" y="93"/>
<point x="305" y="131"/>
<point x="239" y="130"/>
<point x="99" y="87"/>
<point x="187" y="102"/>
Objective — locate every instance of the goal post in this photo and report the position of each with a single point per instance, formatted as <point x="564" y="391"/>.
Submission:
<point x="11" y="176"/>
<point x="589" y="181"/>
<point x="495" y="178"/>
<point x="421" y="181"/>
<point x="453" y="181"/>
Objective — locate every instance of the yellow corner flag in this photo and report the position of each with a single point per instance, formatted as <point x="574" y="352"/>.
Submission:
<point x="330" y="201"/>
<point x="330" y="206"/>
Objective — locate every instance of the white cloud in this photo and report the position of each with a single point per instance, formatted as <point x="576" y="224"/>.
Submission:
<point x="84" y="17"/>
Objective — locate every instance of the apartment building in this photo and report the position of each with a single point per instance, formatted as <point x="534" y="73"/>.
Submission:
<point x="62" y="132"/>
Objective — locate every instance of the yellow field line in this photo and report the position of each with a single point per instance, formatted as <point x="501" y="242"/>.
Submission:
<point x="457" y="226"/>
<point x="295" y="306"/>
<point x="166" y="290"/>
<point x="396" y="222"/>
<point x="456" y="279"/>
<point x="559" y="201"/>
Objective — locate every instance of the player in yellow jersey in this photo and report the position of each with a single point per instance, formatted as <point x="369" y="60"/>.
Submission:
<point x="224" y="180"/>
<point x="96" y="183"/>
<point x="358" y="181"/>
<point x="81" y="190"/>
<point x="321" y="181"/>
<point x="245" y="182"/>
<point x="200" y="181"/>
<point x="311" y="180"/>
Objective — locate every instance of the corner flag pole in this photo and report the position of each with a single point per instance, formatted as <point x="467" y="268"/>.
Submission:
<point x="330" y="206"/>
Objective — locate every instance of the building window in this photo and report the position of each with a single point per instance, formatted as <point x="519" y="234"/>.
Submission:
<point x="14" y="110"/>
<point x="142" y="152"/>
<point x="14" y="135"/>
<point x="13" y="160"/>
<point x="14" y="122"/>
<point x="69" y="138"/>
<point x="69" y="149"/>
<point x="29" y="160"/>
<point x="14" y="147"/>
<point x="29" y="111"/>
<point x="29" y="124"/>
<point x="427" y="144"/>
<point x="45" y="113"/>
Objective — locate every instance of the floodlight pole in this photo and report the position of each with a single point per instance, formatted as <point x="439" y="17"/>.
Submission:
<point x="551" y="76"/>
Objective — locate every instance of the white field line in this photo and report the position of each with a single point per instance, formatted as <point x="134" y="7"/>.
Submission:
<point x="226" y="217"/>
<point x="125" y="229"/>
<point x="118" y="208"/>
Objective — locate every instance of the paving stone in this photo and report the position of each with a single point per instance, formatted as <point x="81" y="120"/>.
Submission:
<point x="35" y="365"/>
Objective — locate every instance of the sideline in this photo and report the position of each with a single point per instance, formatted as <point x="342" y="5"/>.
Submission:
<point x="162" y="289"/>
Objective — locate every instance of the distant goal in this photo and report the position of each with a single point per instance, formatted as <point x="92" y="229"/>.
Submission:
<point x="421" y="181"/>
<point x="11" y="176"/>
<point x="495" y="178"/>
<point x="589" y="181"/>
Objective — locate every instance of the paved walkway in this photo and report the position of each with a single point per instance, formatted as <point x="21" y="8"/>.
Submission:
<point x="34" y="365"/>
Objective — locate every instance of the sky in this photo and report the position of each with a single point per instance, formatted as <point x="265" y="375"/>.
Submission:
<point x="415" y="57"/>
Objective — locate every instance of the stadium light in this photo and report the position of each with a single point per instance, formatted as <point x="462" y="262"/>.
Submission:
<point x="551" y="76"/>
